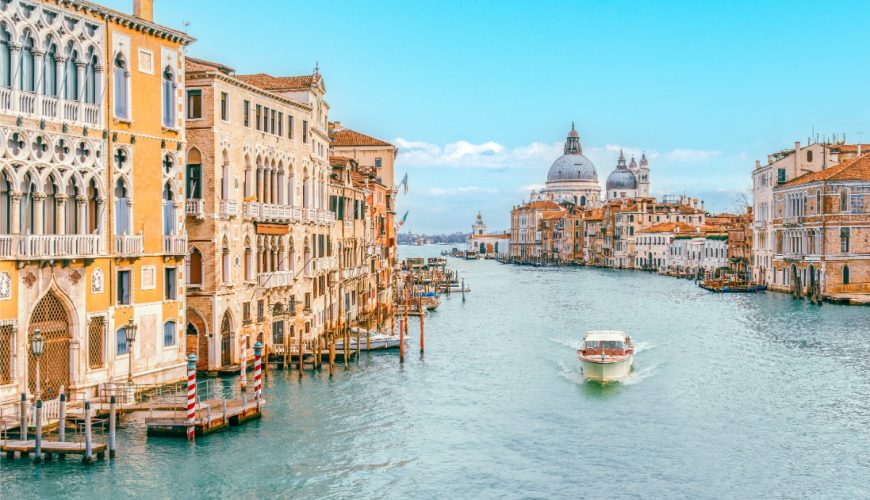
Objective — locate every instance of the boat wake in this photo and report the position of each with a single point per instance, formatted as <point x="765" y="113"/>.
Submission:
<point x="639" y="375"/>
<point x="574" y="374"/>
<point x="573" y="343"/>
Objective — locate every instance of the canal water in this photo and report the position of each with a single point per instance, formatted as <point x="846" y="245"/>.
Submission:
<point x="732" y="396"/>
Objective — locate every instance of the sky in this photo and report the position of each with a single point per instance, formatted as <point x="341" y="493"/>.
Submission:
<point x="478" y="96"/>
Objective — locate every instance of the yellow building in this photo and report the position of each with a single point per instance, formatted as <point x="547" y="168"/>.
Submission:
<point x="91" y="220"/>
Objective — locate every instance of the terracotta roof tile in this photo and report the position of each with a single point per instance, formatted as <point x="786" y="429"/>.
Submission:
<point x="339" y="161"/>
<point x="192" y="64"/>
<point x="269" y="82"/>
<point x="670" y="227"/>
<point x="347" y="137"/>
<point x="855" y="169"/>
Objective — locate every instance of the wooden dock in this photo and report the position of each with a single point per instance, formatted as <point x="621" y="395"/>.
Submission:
<point x="211" y="416"/>
<point x="50" y="448"/>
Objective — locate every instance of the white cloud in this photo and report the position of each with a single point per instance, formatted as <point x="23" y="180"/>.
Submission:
<point x="530" y="187"/>
<point x="691" y="155"/>
<point x="460" y="191"/>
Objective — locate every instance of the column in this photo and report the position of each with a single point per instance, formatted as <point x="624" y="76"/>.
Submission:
<point x="81" y="204"/>
<point x="38" y="74"/>
<point x="100" y="222"/>
<point x="80" y="70"/>
<point x="260" y="184"/>
<point x="59" y="68"/>
<point x="16" y="213"/>
<point x="274" y="186"/>
<point x="15" y="68"/>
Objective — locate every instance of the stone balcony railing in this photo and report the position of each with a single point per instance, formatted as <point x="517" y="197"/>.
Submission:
<point x="229" y="208"/>
<point x="175" y="244"/>
<point x="272" y="211"/>
<point x="50" y="245"/>
<point x="195" y="208"/>
<point x="309" y="215"/>
<point x="129" y="244"/>
<point x="275" y="279"/>
<point x="52" y="108"/>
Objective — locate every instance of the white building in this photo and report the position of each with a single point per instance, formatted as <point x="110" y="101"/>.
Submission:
<point x="488" y="245"/>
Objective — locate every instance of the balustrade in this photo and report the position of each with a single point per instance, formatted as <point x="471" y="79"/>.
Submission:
<point x="129" y="244"/>
<point x="195" y="208"/>
<point x="175" y="244"/>
<point x="229" y="208"/>
<point x="49" y="245"/>
<point x="275" y="279"/>
<point x="45" y="106"/>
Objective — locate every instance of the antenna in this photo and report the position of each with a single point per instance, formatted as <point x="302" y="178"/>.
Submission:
<point x="186" y="25"/>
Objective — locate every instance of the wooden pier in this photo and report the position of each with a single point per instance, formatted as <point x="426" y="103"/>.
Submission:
<point x="51" y="448"/>
<point x="211" y="416"/>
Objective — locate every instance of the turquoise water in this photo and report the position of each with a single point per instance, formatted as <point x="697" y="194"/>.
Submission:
<point x="732" y="396"/>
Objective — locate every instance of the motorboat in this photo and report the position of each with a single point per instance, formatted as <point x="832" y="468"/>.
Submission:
<point x="376" y="341"/>
<point x="606" y="355"/>
<point x="430" y="300"/>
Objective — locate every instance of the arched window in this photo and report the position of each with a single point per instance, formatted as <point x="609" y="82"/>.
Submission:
<point x="845" y="275"/>
<point x="93" y="205"/>
<point x="5" y="204"/>
<point x="71" y="77"/>
<point x="27" y="71"/>
<point x="49" y="207"/>
<point x="169" y="331"/>
<point x="91" y="77"/>
<point x="249" y="261"/>
<point x="49" y="73"/>
<point x="121" y="341"/>
<point x="122" y="209"/>
<point x="119" y="81"/>
<point x="583" y="201"/>
<point x="5" y="58"/>
<point x="28" y="188"/>
<point x="809" y="156"/>
<point x="168" y="87"/>
<point x="72" y="213"/>
<point x="225" y="262"/>
<point x="168" y="211"/>
<point x="194" y="268"/>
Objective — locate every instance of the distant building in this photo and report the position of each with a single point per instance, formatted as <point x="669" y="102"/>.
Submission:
<point x="572" y="177"/>
<point x="628" y="181"/>
<point x="488" y="245"/>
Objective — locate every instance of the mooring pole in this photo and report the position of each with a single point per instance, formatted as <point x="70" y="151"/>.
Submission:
<point x="243" y="370"/>
<point x="463" y="289"/>
<point x="22" y="431"/>
<point x="422" y="334"/>
<point x="38" y="458"/>
<point x="61" y="430"/>
<point x="112" y="422"/>
<point x="258" y="366"/>
<point x="191" y="397"/>
<point x="89" y="449"/>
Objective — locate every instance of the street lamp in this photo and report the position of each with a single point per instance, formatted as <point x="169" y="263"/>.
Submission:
<point x="37" y="347"/>
<point x="131" y="337"/>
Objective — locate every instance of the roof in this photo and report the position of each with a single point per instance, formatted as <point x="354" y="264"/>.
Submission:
<point x="339" y="161"/>
<point x="542" y="204"/>
<point x="670" y="227"/>
<point x="850" y="148"/>
<point x="192" y="64"/>
<point x="136" y="23"/>
<point x="347" y="137"/>
<point x="605" y="335"/>
<point x="553" y="215"/>
<point x="490" y="236"/>
<point x="855" y="169"/>
<point x="269" y="82"/>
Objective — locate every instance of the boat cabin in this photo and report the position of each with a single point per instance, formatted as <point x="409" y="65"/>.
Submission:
<point x="607" y="343"/>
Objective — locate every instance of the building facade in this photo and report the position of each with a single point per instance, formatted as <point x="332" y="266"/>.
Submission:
<point x="90" y="114"/>
<point x="487" y="245"/>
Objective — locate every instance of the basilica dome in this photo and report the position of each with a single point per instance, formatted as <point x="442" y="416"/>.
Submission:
<point x="573" y="165"/>
<point x="622" y="177"/>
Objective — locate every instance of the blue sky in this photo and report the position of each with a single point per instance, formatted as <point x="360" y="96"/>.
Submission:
<point x="479" y="95"/>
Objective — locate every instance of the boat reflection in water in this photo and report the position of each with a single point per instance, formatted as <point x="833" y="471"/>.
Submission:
<point x="606" y="355"/>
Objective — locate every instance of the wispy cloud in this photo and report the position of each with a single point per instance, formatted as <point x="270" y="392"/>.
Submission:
<point x="491" y="154"/>
<point x="461" y="191"/>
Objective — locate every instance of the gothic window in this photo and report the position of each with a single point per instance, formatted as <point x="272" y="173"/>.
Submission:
<point x="71" y="216"/>
<point x="49" y="76"/>
<point x="91" y="82"/>
<point x="5" y="58"/>
<point x="71" y="89"/>
<point x="194" y="181"/>
<point x="5" y="204"/>
<point x="167" y="164"/>
<point x="168" y="90"/>
<point x="168" y="211"/>
<point x="194" y="271"/>
<point x="122" y="208"/>
<point x="93" y="204"/>
<point x="26" y="70"/>
<point x="119" y="81"/>
<point x="49" y="207"/>
<point x="27" y="209"/>
<point x="225" y="262"/>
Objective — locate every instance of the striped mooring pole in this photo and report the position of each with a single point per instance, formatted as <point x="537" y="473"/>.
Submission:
<point x="191" y="396"/>
<point x="258" y="376"/>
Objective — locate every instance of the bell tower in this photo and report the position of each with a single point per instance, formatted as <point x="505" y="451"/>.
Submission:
<point x="479" y="227"/>
<point x="643" y="177"/>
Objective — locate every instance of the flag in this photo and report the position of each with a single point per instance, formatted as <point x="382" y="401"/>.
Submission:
<point x="403" y="183"/>
<point x="402" y="221"/>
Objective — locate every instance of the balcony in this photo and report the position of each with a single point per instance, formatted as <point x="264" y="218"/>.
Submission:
<point x="296" y="214"/>
<point x="275" y="279"/>
<point x="127" y="245"/>
<point x="252" y="209"/>
<point x="275" y="212"/>
<point x="175" y="245"/>
<point x="229" y="208"/>
<point x="195" y="208"/>
<point x="49" y="245"/>
<point x="310" y="215"/>
<point x="52" y="108"/>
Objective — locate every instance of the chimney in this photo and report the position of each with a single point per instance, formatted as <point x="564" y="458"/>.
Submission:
<point x="757" y="164"/>
<point x="769" y="159"/>
<point x="144" y="9"/>
<point x="702" y="204"/>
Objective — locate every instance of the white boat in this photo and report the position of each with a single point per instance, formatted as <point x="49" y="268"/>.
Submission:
<point x="606" y="355"/>
<point x="376" y="342"/>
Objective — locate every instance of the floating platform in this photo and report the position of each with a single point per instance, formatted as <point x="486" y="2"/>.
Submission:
<point x="211" y="416"/>
<point x="50" y="448"/>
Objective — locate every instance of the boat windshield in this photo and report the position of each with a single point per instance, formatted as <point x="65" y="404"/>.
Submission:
<point x="605" y="344"/>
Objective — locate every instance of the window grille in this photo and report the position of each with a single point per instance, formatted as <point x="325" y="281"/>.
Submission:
<point x="96" y="341"/>
<point x="5" y="354"/>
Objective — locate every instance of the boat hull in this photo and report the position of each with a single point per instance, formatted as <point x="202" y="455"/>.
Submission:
<point x="607" y="372"/>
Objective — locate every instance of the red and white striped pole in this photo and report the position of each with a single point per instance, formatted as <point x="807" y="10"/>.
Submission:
<point x="258" y="380"/>
<point x="191" y="396"/>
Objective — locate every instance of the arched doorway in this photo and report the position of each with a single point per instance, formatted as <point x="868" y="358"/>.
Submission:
<point x="50" y="317"/>
<point x="226" y="346"/>
<point x="197" y="338"/>
<point x="482" y="249"/>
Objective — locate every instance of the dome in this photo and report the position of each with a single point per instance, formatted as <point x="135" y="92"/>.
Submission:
<point x="572" y="166"/>
<point x="622" y="177"/>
